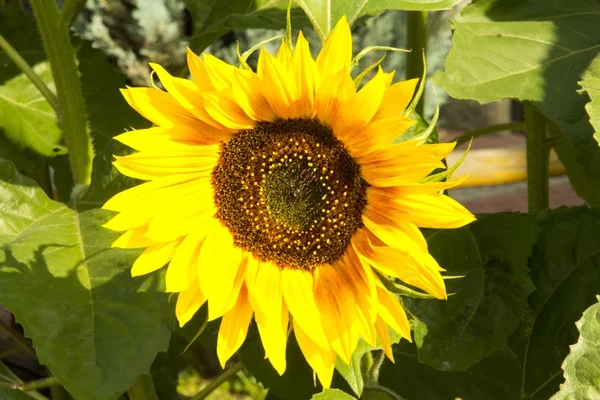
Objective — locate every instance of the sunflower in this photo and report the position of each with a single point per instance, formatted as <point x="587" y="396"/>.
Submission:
<point x="278" y="194"/>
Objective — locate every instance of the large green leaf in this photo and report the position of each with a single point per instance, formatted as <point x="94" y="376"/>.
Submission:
<point x="109" y="115"/>
<point x="494" y="378"/>
<point x="94" y="326"/>
<point x="26" y="118"/>
<point x="532" y="50"/>
<point x="582" y="365"/>
<point x="591" y="85"/>
<point x="13" y="394"/>
<point x="212" y="20"/>
<point x="565" y="269"/>
<point x="487" y="302"/>
<point x="108" y="112"/>
<point x="324" y="14"/>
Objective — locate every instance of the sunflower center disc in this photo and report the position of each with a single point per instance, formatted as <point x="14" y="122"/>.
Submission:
<point x="289" y="192"/>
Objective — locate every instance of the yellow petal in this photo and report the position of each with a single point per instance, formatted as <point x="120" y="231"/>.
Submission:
<point x="392" y="312"/>
<point x="154" y="257"/>
<point x="188" y="95"/>
<point x="186" y="254"/>
<point x="358" y="110"/>
<point x="337" y="308"/>
<point x="234" y="327"/>
<point x="199" y="72"/>
<point x="394" y="232"/>
<point x="331" y="93"/>
<point x="413" y="267"/>
<point x="133" y="240"/>
<point x="307" y="78"/>
<point x="171" y="224"/>
<point x="278" y="85"/>
<point x="149" y="165"/>
<point x="162" y="109"/>
<point x="384" y="337"/>
<point x="431" y="210"/>
<point x="219" y="271"/>
<point x="297" y="289"/>
<point x="219" y="72"/>
<point x="226" y="111"/>
<point x="396" y="99"/>
<point x="376" y="135"/>
<point x="321" y="360"/>
<point x="336" y="53"/>
<point x="189" y="302"/>
<point x="247" y="92"/>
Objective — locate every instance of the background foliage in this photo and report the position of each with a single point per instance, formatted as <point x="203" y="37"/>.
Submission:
<point x="522" y="321"/>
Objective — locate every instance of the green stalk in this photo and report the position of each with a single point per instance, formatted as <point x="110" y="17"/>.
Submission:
<point x="374" y="371"/>
<point x="73" y="115"/>
<point x="20" y="62"/>
<point x="416" y="40"/>
<point x="218" y="381"/>
<point x="538" y="158"/>
<point x="486" y="130"/>
<point x="143" y="389"/>
<point x="39" y="384"/>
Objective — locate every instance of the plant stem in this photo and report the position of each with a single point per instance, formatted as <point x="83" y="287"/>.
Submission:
<point x="143" y="389"/>
<point x="486" y="130"/>
<point x="17" y="338"/>
<point x="416" y="40"/>
<point x="73" y="115"/>
<point x="538" y="158"/>
<point x="374" y="372"/>
<point x="218" y="381"/>
<point x="36" y="385"/>
<point x="20" y="62"/>
<point x="70" y="10"/>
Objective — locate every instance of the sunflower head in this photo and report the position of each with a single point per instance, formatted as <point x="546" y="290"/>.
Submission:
<point x="278" y="195"/>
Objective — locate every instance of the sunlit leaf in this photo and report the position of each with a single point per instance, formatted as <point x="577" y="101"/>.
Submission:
<point x="333" y="394"/>
<point x="582" y="365"/>
<point x="26" y="118"/>
<point x="94" y="326"/>
<point x="324" y="14"/>
<point x="591" y="85"/>
<point x="532" y="50"/>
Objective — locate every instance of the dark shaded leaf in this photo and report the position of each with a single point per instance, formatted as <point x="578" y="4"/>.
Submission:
<point x="488" y="301"/>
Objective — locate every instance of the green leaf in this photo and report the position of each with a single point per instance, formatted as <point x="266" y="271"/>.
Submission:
<point x="379" y="393"/>
<point x="333" y="394"/>
<point x="582" y="365"/>
<point x="107" y="181"/>
<point x="488" y="301"/>
<point x="94" y="326"/>
<point x="212" y="20"/>
<point x="108" y="112"/>
<point x="26" y="118"/>
<point x="353" y="373"/>
<point x="532" y="50"/>
<point x="494" y="378"/>
<point x="109" y="115"/>
<point x="591" y="85"/>
<point x="324" y="15"/>
<point x="565" y="269"/>
<point x="13" y="394"/>
<point x="26" y="41"/>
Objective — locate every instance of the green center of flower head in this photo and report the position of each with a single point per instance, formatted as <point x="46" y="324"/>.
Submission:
<point x="289" y="192"/>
